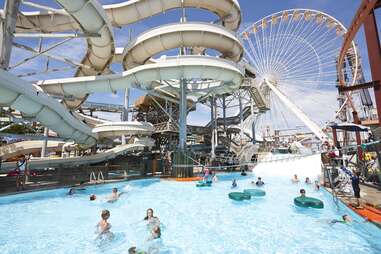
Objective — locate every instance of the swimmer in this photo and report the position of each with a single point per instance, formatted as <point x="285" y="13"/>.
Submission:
<point x="234" y="183"/>
<point x="155" y="233"/>
<point x="259" y="182"/>
<point x="302" y="193"/>
<point x="133" y="250"/>
<point x="243" y="173"/>
<point x="345" y="219"/>
<point x="317" y="186"/>
<point x="150" y="218"/>
<point x="71" y="192"/>
<point x="307" y="181"/>
<point x="93" y="197"/>
<point x="215" y="178"/>
<point x="103" y="227"/>
<point x="295" y="179"/>
<point x="114" y="195"/>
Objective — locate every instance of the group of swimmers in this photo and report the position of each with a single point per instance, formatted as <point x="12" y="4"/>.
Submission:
<point x="112" y="198"/>
<point x="295" y="179"/>
<point x="103" y="228"/>
<point x="258" y="183"/>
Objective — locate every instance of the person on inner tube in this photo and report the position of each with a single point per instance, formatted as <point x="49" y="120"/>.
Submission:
<point x="302" y="193"/>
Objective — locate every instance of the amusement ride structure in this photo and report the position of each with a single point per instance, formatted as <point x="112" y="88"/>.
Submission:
<point x="245" y="74"/>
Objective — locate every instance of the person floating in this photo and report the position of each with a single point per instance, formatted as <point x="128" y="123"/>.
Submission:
<point x="259" y="182"/>
<point x="114" y="195"/>
<point x="234" y="183"/>
<point x="345" y="219"/>
<point x="295" y="179"/>
<point x="93" y="197"/>
<point x="103" y="227"/>
<point x="304" y="201"/>
<point x="307" y="181"/>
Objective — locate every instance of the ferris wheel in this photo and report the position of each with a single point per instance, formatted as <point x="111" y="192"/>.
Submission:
<point x="294" y="53"/>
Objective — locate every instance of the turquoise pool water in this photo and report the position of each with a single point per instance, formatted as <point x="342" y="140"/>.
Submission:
<point x="194" y="220"/>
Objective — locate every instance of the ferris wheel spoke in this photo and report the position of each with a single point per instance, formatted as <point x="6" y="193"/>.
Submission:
<point x="284" y="44"/>
<point x="299" y="64"/>
<point x="255" y="59"/>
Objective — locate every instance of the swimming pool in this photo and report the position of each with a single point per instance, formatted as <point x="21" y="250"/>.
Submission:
<point x="194" y="220"/>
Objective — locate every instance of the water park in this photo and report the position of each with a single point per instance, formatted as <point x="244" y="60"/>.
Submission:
<point x="190" y="126"/>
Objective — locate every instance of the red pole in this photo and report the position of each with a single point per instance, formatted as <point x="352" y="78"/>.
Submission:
<point x="374" y="55"/>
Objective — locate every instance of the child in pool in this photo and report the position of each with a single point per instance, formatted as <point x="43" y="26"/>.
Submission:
<point x="155" y="233"/>
<point x="103" y="227"/>
<point x="114" y="195"/>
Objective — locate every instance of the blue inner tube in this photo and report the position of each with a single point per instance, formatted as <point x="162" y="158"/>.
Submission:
<point x="309" y="202"/>
<point x="239" y="196"/>
<point x="255" y="192"/>
<point x="204" y="184"/>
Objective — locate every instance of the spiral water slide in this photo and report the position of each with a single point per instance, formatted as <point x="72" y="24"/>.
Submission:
<point x="221" y="75"/>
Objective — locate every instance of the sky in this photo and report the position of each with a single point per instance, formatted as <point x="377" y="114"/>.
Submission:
<point x="310" y="101"/>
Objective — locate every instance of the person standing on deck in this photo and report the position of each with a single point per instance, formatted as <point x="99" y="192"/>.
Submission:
<point x="22" y="169"/>
<point x="356" y="187"/>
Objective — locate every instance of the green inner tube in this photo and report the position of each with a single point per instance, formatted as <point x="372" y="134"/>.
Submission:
<point x="309" y="202"/>
<point x="255" y="192"/>
<point x="239" y="196"/>
<point x="203" y="184"/>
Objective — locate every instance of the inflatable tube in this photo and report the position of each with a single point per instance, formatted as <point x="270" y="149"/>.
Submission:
<point x="204" y="184"/>
<point x="308" y="202"/>
<point x="255" y="192"/>
<point x="239" y="196"/>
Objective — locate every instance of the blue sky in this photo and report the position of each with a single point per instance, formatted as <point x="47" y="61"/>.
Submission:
<point x="343" y="10"/>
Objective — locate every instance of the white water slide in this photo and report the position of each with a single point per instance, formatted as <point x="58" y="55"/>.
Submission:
<point x="209" y="75"/>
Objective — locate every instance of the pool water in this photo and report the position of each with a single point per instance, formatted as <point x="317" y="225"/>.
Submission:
<point x="194" y="220"/>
